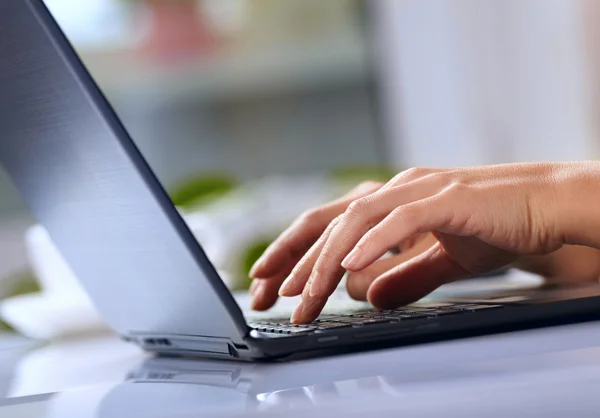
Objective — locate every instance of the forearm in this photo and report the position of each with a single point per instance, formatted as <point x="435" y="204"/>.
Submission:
<point x="576" y="218"/>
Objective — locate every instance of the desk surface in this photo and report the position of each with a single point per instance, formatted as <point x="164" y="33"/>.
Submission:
<point x="544" y="372"/>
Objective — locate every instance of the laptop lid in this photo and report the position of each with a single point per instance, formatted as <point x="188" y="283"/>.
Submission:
<point x="84" y="179"/>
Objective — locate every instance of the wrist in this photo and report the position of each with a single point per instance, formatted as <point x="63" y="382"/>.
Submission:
<point x="577" y="197"/>
<point x="569" y="265"/>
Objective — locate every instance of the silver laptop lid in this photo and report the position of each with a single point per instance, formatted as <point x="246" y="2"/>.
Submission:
<point x="85" y="181"/>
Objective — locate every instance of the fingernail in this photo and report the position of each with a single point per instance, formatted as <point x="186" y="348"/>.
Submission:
<point x="315" y="284"/>
<point x="297" y="315"/>
<point x="285" y="287"/>
<point x="353" y="258"/>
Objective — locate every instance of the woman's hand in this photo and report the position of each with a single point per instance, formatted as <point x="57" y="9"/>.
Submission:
<point x="482" y="218"/>
<point x="280" y="258"/>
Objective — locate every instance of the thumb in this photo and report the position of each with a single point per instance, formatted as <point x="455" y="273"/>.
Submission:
<point x="414" y="279"/>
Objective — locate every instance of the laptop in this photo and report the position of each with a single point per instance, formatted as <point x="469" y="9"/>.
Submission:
<point x="83" y="178"/>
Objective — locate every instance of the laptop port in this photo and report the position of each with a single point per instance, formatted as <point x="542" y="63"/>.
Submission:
<point x="158" y="342"/>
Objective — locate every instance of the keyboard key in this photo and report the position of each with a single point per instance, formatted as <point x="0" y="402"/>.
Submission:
<point x="364" y="312"/>
<point x="332" y="325"/>
<point x="420" y="314"/>
<point x="367" y="321"/>
<point x="445" y="312"/>
<point x="372" y="316"/>
<point x="402" y="317"/>
<point x="418" y="310"/>
<point x="329" y="318"/>
<point x="431" y="305"/>
<point x="368" y="317"/>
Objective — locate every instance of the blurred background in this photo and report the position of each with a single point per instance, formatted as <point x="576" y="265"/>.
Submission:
<point x="251" y="111"/>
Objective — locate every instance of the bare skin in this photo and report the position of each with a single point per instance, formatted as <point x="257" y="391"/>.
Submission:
<point x="450" y="224"/>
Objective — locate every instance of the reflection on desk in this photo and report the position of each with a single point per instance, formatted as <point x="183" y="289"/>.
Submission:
<point x="542" y="372"/>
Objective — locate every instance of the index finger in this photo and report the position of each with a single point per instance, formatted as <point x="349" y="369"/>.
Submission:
<point x="295" y="241"/>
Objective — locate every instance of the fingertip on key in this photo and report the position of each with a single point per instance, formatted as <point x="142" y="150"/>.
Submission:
<point x="296" y="317"/>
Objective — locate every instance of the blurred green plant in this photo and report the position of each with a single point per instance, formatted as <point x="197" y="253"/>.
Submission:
<point x="22" y="283"/>
<point x="251" y="256"/>
<point x="201" y="189"/>
<point x="25" y="282"/>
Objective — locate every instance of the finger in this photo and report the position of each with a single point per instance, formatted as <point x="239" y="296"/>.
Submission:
<point x="427" y="215"/>
<point x="264" y="292"/>
<point x="360" y="217"/>
<point x="358" y="283"/>
<point x="297" y="280"/>
<point x="414" y="279"/>
<point x="302" y="234"/>
<point x="309" y="308"/>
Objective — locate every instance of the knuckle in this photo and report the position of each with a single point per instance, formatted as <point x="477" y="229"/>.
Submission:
<point x="406" y="214"/>
<point x="369" y="185"/>
<point x="457" y="188"/>
<point x="443" y="179"/>
<point x="306" y="291"/>
<point x="311" y="215"/>
<point x="414" y="173"/>
<point x="335" y="221"/>
<point x="364" y="188"/>
<point x="358" y="207"/>
<point x="326" y="252"/>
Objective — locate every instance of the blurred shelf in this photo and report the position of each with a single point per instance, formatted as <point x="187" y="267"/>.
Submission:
<point x="124" y="74"/>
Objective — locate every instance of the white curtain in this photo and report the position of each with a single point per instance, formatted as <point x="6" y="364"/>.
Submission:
<point x="488" y="81"/>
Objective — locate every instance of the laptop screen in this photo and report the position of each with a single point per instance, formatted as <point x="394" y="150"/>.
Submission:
<point x="260" y="102"/>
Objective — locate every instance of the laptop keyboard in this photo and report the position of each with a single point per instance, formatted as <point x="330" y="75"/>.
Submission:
<point x="366" y="318"/>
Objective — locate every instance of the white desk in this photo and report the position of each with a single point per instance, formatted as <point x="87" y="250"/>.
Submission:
<point x="545" y="372"/>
